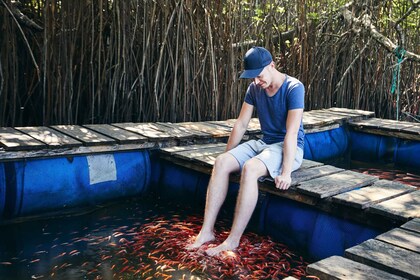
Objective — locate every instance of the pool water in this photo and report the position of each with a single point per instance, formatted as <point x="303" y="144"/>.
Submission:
<point x="137" y="239"/>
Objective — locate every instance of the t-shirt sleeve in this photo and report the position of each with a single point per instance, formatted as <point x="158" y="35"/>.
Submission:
<point x="296" y="97"/>
<point x="249" y="96"/>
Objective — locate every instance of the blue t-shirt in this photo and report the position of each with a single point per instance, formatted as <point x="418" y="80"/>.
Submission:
<point x="272" y="110"/>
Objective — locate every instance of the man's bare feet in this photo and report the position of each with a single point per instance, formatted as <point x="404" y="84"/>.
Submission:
<point x="199" y="240"/>
<point x="225" y="246"/>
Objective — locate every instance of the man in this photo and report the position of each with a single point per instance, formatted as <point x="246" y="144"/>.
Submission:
<point x="279" y="101"/>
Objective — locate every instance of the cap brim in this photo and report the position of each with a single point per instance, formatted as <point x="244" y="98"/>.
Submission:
<point x="251" y="73"/>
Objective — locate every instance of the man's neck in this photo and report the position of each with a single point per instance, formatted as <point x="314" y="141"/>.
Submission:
<point x="277" y="82"/>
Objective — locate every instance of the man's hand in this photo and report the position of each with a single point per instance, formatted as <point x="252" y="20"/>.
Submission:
<point x="283" y="182"/>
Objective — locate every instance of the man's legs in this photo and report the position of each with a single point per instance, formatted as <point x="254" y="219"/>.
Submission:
<point x="216" y="194"/>
<point x="245" y="205"/>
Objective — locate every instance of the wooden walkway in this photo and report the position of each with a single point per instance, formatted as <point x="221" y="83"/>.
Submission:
<point x="63" y="140"/>
<point x="351" y="195"/>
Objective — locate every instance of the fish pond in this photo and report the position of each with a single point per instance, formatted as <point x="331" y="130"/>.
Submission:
<point x="137" y="239"/>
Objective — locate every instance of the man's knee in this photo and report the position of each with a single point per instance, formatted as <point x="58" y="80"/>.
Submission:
<point x="226" y="162"/>
<point x="253" y="169"/>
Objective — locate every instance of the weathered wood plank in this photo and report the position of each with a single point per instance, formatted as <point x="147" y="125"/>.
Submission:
<point x="380" y="191"/>
<point x="387" y="257"/>
<point x="80" y="150"/>
<point x="212" y="129"/>
<point x="50" y="136"/>
<point x="305" y="174"/>
<point x="306" y="163"/>
<point x="402" y="238"/>
<point x="86" y="136"/>
<point x="177" y="149"/>
<point x="352" y="111"/>
<point x="149" y="130"/>
<point x="384" y="124"/>
<point x="336" y="267"/>
<point x="12" y="139"/>
<point x="402" y="207"/>
<point x="197" y="155"/>
<point x="253" y="126"/>
<point x="181" y="132"/>
<point x="413" y="225"/>
<point x="335" y="184"/>
<point x="121" y="135"/>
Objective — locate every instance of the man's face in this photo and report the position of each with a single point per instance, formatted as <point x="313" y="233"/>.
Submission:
<point x="263" y="80"/>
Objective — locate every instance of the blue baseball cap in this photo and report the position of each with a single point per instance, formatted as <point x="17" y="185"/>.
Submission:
<point x="255" y="60"/>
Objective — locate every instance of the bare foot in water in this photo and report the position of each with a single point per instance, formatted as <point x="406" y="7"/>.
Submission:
<point x="200" y="239"/>
<point x="225" y="246"/>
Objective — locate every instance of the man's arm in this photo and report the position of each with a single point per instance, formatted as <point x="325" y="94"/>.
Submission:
<point x="294" y="118"/>
<point x="240" y="126"/>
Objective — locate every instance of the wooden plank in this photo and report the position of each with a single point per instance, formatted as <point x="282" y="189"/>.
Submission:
<point x="335" y="184"/>
<point x="413" y="225"/>
<point x="86" y="136"/>
<point x="253" y="126"/>
<point x="336" y="267"/>
<point x="402" y="207"/>
<point x="306" y="163"/>
<point x="385" y="124"/>
<point x="352" y="111"/>
<point x="402" y="238"/>
<point x="350" y="116"/>
<point x="50" y="136"/>
<point x="212" y="129"/>
<point x="181" y="132"/>
<point x="415" y="129"/>
<point x="322" y="128"/>
<point x="12" y="139"/>
<point x="150" y="130"/>
<point x="380" y="191"/>
<point x="197" y="154"/>
<point x="121" y="135"/>
<point x="387" y="257"/>
<point x="177" y="149"/>
<point x="6" y="156"/>
<point x="305" y="174"/>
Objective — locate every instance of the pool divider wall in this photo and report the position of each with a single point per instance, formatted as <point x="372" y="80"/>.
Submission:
<point x="42" y="185"/>
<point x="368" y="147"/>
<point x="2" y="189"/>
<point x="326" y="145"/>
<point x="317" y="234"/>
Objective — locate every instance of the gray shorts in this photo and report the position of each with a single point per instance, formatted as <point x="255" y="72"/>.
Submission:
<point x="270" y="155"/>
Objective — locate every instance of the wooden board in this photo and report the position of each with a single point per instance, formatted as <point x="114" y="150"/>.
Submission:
<point x="12" y="139"/>
<point x="121" y="135"/>
<point x="380" y="191"/>
<point x="384" y="124"/>
<point x="253" y="126"/>
<point x="387" y="257"/>
<point x="50" y="136"/>
<point x="212" y="129"/>
<point x="402" y="238"/>
<point x="352" y="111"/>
<point x="177" y="149"/>
<point x="402" y="207"/>
<point x="336" y="267"/>
<point x="152" y="131"/>
<point x="86" y="136"/>
<point x="306" y="163"/>
<point x="335" y="184"/>
<point x="305" y="174"/>
<point x="391" y="128"/>
<point x="181" y="132"/>
<point x="192" y="155"/>
<point x="412" y="225"/>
